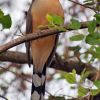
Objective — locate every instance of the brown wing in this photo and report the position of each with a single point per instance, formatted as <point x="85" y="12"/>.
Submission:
<point x="28" y="30"/>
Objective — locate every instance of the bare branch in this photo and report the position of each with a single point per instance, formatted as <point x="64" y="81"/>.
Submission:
<point x="37" y="35"/>
<point x="68" y="65"/>
<point x="15" y="57"/>
<point x="27" y="37"/>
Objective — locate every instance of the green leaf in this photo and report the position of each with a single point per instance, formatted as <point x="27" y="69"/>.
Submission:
<point x="54" y="19"/>
<point x="57" y="20"/>
<point x="97" y="17"/>
<point x="95" y="91"/>
<point x="49" y="18"/>
<point x="73" y="87"/>
<point x="61" y="29"/>
<point x="70" y="77"/>
<point x="93" y="39"/>
<point x="97" y="49"/>
<point x="91" y="26"/>
<point x="77" y="37"/>
<point x="97" y="83"/>
<point x="75" y="24"/>
<point x="84" y="75"/>
<point x="1" y="13"/>
<point x="5" y="20"/>
<point x="96" y="54"/>
<point x="94" y="42"/>
<point x="74" y="72"/>
<point x="82" y="91"/>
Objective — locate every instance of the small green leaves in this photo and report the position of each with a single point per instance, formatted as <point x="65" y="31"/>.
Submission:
<point x="95" y="51"/>
<point x="54" y="19"/>
<point x="57" y="20"/>
<point x="1" y="13"/>
<point x="95" y="91"/>
<point x="84" y="75"/>
<point x="97" y="83"/>
<point x="49" y="18"/>
<point x="82" y="91"/>
<point x="93" y="39"/>
<point x="97" y="18"/>
<point x="75" y="24"/>
<point x="91" y="26"/>
<point x="5" y="20"/>
<point x="71" y="77"/>
<point x="77" y="37"/>
<point x="96" y="55"/>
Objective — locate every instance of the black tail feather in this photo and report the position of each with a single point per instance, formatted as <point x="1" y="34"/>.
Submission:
<point x="38" y="85"/>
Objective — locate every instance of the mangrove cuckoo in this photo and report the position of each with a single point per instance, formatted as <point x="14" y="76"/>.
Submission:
<point x="42" y="49"/>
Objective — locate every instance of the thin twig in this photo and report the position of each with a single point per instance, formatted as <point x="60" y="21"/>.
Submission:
<point x="82" y="5"/>
<point x="3" y="97"/>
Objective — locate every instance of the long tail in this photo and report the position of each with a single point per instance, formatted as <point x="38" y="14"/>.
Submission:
<point x="38" y="85"/>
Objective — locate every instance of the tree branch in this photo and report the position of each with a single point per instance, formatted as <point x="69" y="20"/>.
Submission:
<point x="19" y="57"/>
<point x="37" y="35"/>
<point x="59" y="64"/>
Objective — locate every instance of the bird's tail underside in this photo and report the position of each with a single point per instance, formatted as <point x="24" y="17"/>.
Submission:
<point x="38" y="85"/>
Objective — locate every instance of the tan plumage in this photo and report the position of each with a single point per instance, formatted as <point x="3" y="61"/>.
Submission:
<point x="42" y="48"/>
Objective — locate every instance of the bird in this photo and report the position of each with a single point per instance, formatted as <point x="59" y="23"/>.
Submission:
<point x="43" y="49"/>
